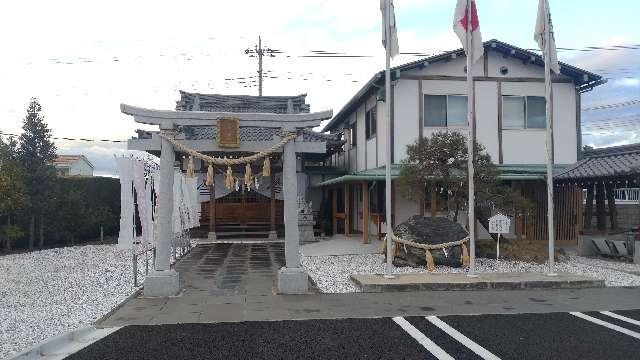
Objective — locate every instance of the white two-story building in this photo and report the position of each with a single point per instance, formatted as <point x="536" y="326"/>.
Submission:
<point x="429" y="95"/>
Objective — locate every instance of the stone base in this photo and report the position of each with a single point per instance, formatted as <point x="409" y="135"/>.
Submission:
<point x="273" y="235"/>
<point x="306" y="233"/>
<point x="482" y="281"/>
<point x="636" y="253"/>
<point x="585" y="244"/>
<point x="293" y="281"/>
<point x="163" y="283"/>
<point x="211" y="236"/>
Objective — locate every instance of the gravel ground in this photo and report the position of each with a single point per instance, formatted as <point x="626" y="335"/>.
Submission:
<point x="49" y="292"/>
<point x="331" y="273"/>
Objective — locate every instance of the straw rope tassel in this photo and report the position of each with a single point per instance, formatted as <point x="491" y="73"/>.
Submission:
<point x="228" y="180"/>
<point x="465" y="255"/>
<point x="190" y="167"/>
<point x="210" y="175"/>
<point x="431" y="266"/>
<point x="247" y="175"/>
<point x="266" y="167"/>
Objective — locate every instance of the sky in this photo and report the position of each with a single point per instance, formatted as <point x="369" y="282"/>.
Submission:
<point x="81" y="59"/>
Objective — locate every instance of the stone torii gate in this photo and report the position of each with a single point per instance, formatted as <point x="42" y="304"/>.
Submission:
<point x="164" y="281"/>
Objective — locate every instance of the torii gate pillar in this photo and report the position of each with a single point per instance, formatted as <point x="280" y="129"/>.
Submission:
<point x="292" y="279"/>
<point x="163" y="281"/>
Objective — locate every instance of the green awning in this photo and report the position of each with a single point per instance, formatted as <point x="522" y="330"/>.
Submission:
<point x="507" y="173"/>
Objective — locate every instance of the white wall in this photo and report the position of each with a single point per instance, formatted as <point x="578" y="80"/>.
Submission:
<point x="381" y="133"/>
<point x="404" y="208"/>
<point x="362" y="141"/>
<point x="80" y="168"/>
<point x="528" y="146"/>
<point x="406" y="117"/>
<point x="486" y="94"/>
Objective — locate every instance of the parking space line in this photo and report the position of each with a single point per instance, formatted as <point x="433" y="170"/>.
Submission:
<point x="482" y="352"/>
<point x="621" y="317"/>
<point x="606" y="324"/>
<point x="432" y="347"/>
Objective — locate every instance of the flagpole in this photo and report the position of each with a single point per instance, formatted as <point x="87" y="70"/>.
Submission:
<point x="471" y="147"/>
<point x="549" y="142"/>
<point x="387" y="102"/>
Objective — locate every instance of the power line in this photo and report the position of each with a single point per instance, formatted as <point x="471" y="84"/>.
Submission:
<point x="613" y="105"/>
<point x="71" y="139"/>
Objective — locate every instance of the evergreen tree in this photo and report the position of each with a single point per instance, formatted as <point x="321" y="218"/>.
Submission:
<point x="439" y="164"/>
<point x="36" y="154"/>
<point x="13" y="193"/>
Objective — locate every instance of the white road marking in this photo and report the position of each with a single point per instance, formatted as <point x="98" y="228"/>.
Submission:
<point x="606" y="324"/>
<point x="482" y="352"/>
<point x="432" y="347"/>
<point x="620" y="317"/>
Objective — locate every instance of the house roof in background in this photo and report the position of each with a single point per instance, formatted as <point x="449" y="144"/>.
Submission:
<point x="68" y="160"/>
<point x="605" y="164"/>
<point x="242" y="103"/>
<point x="584" y="80"/>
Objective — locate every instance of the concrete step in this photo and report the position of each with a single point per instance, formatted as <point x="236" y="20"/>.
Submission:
<point x="61" y="346"/>
<point x="484" y="281"/>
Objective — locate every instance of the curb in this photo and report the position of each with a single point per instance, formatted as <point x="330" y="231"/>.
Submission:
<point x="63" y="345"/>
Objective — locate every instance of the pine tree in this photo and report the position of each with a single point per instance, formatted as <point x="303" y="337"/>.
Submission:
<point x="37" y="152"/>
<point x="13" y="193"/>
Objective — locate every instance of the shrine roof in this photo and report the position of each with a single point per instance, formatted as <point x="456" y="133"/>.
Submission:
<point x="242" y="103"/>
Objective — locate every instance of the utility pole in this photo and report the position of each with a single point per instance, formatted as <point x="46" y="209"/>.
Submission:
<point x="259" y="52"/>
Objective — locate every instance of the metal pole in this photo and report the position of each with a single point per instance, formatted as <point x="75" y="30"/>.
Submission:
<point x="387" y="102"/>
<point x="135" y="269"/>
<point x="471" y="147"/>
<point x="259" y="66"/>
<point x="549" y="142"/>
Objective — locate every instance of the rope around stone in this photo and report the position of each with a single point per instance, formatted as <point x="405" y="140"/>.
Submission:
<point x="396" y="239"/>
<point x="287" y="136"/>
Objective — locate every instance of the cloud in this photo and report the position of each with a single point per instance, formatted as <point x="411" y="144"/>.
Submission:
<point x="84" y="58"/>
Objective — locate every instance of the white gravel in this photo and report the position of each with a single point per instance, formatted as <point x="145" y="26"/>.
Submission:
<point x="331" y="273"/>
<point x="49" y="292"/>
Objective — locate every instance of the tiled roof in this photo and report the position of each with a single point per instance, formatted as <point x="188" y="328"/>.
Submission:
<point x="66" y="160"/>
<point x="242" y="103"/>
<point x="605" y="163"/>
<point x="250" y="133"/>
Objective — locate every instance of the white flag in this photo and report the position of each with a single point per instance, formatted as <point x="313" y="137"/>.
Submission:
<point x="393" y="32"/>
<point x="460" y="28"/>
<point x="543" y="24"/>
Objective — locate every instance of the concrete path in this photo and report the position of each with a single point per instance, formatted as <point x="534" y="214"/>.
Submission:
<point x="235" y="282"/>
<point x="201" y="307"/>
<point x="340" y="245"/>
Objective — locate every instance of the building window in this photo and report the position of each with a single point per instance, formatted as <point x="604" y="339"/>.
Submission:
<point x="445" y="110"/>
<point x="370" y="122"/>
<point x="523" y="112"/>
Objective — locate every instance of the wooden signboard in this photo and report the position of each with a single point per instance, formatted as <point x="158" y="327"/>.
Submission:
<point x="228" y="132"/>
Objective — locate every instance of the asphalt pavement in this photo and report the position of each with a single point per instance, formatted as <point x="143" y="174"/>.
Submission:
<point x="560" y="335"/>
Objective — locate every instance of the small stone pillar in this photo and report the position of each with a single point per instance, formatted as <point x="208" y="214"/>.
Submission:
<point x="305" y="221"/>
<point x="636" y="252"/>
<point x="292" y="279"/>
<point x="163" y="281"/>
